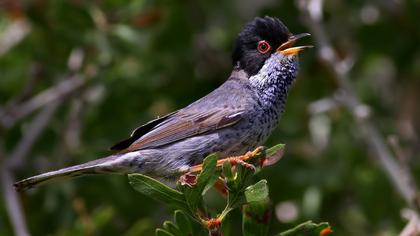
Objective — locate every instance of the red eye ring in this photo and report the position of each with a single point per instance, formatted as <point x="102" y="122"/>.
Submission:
<point x="263" y="47"/>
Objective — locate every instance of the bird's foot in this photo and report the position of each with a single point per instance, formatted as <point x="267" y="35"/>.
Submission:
<point x="235" y="160"/>
<point x="189" y="176"/>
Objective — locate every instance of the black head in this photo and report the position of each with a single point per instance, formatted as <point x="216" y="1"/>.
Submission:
<point x="257" y="41"/>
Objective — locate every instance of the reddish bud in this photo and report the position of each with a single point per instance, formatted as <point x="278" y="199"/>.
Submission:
<point x="213" y="224"/>
<point x="188" y="179"/>
<point x="325" y="232"/>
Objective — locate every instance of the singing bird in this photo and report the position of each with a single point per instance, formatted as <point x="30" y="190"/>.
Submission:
<point x="236" y="117"/>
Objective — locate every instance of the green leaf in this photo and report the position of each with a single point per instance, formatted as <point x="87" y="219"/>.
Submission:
<point x="242" y="178"/>
<point x="162" y="232"/>
<point x="256" y="218"/>
<point x="157" y="190"/>
<point x="207" y="177"/>
<point x="274" y="149"/>
<point x="183" y="223"/>
<point x="274" y="154"/>
<point x="227" y="170"/>
<point x="231" y="178"/>
<point x="257" y="213"/>
<point x="172" y="228"/>
<point x="307" y="228"/>
<point x="257" y="192"/>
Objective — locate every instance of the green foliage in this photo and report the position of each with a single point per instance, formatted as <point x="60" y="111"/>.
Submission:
<point x="157" y="190"/>
<point x="207" y="177"/>
<point x="257" y="192"/>
<point x="256" y="214"/>
<point x="181" y="226"/>
<point x="162" y="232"/>
<point x="308" y="229"/>
<point x="275" y="151"/>
<point x="235" y="175"/>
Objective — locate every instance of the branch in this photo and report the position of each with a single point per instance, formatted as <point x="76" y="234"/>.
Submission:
<point x="58" y="92"/>
<point x="413" y="225"/>
<point x="13" y="207"/>
<point x="323" y="105"/>
<point x="30" y="136"/>
<point x="50" y="99"/>
<point x="311" y="11"/>
<point x="13" y="35"/>
<point x="9" y="116"/>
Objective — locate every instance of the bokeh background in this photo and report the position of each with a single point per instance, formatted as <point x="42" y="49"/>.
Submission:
<point x="77" y="76"/>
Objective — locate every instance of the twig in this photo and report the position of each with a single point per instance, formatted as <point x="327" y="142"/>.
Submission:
<point x="311" y="11"/>
<point x="323" y="105"/>
<point x="13" y="207"/>
<point x="58" y="92"/>
<point x="73" y="127"/>
<point x="13" y="34"/>
<point x="50" y="99"/>
<point x="412" y="228"/>
<point x="17" y="157"/>
<point x="28" y="89"/>
<point x="8" y="117"/>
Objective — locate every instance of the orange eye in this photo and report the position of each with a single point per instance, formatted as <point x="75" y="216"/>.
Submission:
<point x="263" y="47"/>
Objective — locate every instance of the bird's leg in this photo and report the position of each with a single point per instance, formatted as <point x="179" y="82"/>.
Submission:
<point x="237" y="161"/>
<point x="241" y="160"/>
<point x="189" y="178"/>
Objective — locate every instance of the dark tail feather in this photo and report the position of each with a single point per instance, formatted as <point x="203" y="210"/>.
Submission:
<point x="103" y="165"/>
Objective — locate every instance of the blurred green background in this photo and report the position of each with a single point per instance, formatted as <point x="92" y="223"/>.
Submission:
<point x="137" y="60"/>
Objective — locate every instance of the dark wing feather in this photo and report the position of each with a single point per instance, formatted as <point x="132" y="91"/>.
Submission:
<point x="178" y="126"/>
<point x="138" y="132"/>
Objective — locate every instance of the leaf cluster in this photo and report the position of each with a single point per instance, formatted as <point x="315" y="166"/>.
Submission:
<point x="233" y="178"/>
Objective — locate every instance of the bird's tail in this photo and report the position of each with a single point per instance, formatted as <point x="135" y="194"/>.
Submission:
<point x="108" y="164"/>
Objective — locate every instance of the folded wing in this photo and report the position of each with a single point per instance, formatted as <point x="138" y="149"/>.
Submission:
<point x="178" y="126"/>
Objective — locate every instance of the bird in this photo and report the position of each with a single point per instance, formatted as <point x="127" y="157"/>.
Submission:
<point x="234" y="118"/>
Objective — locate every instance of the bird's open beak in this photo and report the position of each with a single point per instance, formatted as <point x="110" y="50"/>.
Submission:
<point x="287" y="47"/>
